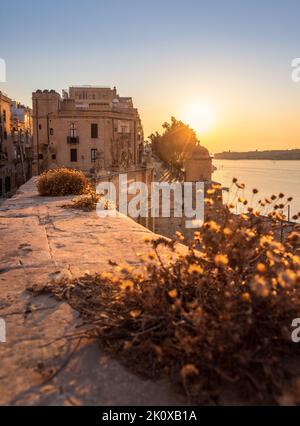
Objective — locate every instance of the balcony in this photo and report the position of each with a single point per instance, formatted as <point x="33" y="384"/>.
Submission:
<point x="73" y="140"/>
<point x="124" y="136"/>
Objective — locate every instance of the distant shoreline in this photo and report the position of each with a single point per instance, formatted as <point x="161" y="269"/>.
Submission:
<point x="266" y="159"/>
<point x="275" y="155"/>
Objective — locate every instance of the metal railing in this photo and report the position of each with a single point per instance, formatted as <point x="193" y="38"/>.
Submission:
<point x="73" y="140"/>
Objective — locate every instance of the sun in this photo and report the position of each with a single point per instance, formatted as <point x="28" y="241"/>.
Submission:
<point x="200" y="116"/>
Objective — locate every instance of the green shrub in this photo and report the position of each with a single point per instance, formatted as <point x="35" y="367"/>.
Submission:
<point x="61" y="181"/>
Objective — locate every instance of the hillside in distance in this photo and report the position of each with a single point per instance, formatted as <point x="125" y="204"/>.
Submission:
<point x="287" y="154"/>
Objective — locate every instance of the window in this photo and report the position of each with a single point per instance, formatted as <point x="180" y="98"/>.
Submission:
<point x="123" y="126"/>
<point x="73" y="153"/>
<point x="93" y="155"/>
<point x="7" y="184"/>
<point x="94" y="130"/>
<point x="40" y="127"/>
<point x="73" y="130"/>
<point x="41" y="156"/>
<point x="53" y="156"/>
<point x="51" y="132"/>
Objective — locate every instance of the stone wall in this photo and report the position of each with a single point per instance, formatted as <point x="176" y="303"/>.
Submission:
<point x="41" y="241"/>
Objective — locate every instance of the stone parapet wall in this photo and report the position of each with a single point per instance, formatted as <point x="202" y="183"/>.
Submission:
<point x="41" y="241"/>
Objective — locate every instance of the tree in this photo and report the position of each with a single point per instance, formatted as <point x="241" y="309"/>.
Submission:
<point x="173" y="145"/>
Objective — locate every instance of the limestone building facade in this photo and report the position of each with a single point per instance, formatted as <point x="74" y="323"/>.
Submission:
<point x="87" y="128"/>
<point x="15" y="145"/>
<point x="198" y="165"/>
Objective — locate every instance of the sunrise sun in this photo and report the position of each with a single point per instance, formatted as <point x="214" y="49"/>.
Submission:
<point x="200" y="116"/>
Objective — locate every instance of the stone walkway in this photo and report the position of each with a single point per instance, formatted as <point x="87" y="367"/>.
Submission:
<point x="39" y="241"/>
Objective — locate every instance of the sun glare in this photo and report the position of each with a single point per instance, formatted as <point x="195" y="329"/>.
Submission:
<point x="201" y="117"/>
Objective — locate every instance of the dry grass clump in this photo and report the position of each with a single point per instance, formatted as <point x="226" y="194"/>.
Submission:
<point x="213" y="320"/>
<point x="89" y="200"/>
<point x="274" y="207"/>
<point x="61" y="181"/>
<point x="86" y="202"/>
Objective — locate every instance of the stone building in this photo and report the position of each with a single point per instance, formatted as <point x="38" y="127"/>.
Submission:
<point x="6" y="153"/>
<point x="21" y="133"/>
<point x="198" y="168"/>
<point x="15" y="145"/>
<point x="198" y="165"/>
<point x="87" y="128"/>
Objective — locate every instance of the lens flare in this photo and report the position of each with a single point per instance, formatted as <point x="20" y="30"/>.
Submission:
<point x="201" y="117"/>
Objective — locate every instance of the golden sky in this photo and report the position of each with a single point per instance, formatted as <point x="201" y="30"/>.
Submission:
<point x="236" y="117"/>
<point x="170" y="55"/>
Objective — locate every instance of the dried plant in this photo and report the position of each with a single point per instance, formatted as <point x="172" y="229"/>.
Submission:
<point x="214" y="319"/>
<point x="89" y="200"/>
<point x="61" y="181"/>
